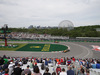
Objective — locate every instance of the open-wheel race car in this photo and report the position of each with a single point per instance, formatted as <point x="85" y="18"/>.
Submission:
<point x="66" y="51"/>
<point x="56" y="42"/>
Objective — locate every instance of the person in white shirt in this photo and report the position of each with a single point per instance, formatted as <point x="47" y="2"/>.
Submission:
<point x="63" y="72"/>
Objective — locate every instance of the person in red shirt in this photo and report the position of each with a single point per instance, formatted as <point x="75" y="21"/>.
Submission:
<point x="62" y="61"/>
<point x="73" y="59"/>
<point x="58" y="70"/>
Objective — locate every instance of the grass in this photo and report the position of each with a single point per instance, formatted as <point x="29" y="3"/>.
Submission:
<point x="33" y="47"/>
<point x="13" y="49"/>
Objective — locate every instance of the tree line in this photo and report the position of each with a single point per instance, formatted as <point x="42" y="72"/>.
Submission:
<point x="82" y="31"/>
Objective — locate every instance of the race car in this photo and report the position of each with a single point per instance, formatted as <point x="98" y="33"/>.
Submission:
<point x="66" y="51"/>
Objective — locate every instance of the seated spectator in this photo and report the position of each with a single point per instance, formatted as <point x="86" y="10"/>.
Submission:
<point x="62" y="61"/>
<point x="47" y="71"/>
<point x="34" y="65"/>
<point x="10" y="69"/>
<point x="1" y="71"/>
<point x="16" y="63"/>
<point x="31" y="65"/>
<point x="79" y="70"/>
<point x="53" y="73"/>
<point x="42" y="66"/>
<point x="58" y="70"/>
<point x="69" y="71"/>
<point x="1" y="61"/>
<point x="46" y="63"/>
<point x="6" y="72"/>
<point x="87" y="72"/>
<point x="27" y="71"/>
<point x="5" y="60"/>
<point x="74" y="69"/>
<point x="5" y="66"/>
<point x="88" y="65"/>
<point x="73" y="59"/>
<point x="63" y="72"/>
<point x="36" y="71"/>
<point x="20" y="62"/>
<point x="38" y="60"/>
<point x="68" y="62"/>
<point x="82" y="71"/>
<point x="93" y="65"/>
<point x="98" y="65"/>
<point x="17" y="70"/>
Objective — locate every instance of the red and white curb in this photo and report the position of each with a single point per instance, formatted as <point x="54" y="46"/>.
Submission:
<point x="56" y="51"/>
<point x="95" y="47"/>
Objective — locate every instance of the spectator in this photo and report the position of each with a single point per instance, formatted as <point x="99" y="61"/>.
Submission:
<point x="87" y="72"/>
<point x="17" y="70"/>
<point x="27" y="71"/>
<point x="53" y="73"/>
<point x="1" y="61"/>
<point x="63" y="72"/>
<point x="88" y="64"/>
<point x="46" y="63"/>
<point x="74" y="69"/>
<point x="47" y="71"/>
<point x="20" y="62"/>
<point x="10" y="69"/>
<point x="34" y="65"/>
<point x="31" y="65"/>
<point x="82" y="71"/>
<point x="4" y="56"/>
<point x="6" y="71"/>
<point x="5" y="66"/>
<point x="79" y="72"/>
<point x="98" y="64"/>
<point x="68" y="62"/>
<point x="36" y="71"/>
<point x="62" y="61"/>
<point x="73" y="59"/>
<point x="1" y="71"/>
<point x="5" y="60"/>
<point x="93" y="65"/>
<point x="58" y="70"/>
<point x="43" y="66"/>
<point x="69" y="71"/>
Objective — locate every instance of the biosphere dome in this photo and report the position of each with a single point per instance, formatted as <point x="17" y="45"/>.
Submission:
<point x="66" y="24"/>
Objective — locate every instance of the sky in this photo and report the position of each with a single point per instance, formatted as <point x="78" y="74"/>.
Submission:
<point x="23" y="13"/>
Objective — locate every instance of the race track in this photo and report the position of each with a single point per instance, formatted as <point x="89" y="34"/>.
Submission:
<point x="77" y="49"/>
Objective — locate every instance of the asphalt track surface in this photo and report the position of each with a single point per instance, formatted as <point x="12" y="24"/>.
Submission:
<point x="77" y="49"/>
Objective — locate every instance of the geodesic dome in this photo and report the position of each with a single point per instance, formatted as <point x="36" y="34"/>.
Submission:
<point x="66" y="24"/>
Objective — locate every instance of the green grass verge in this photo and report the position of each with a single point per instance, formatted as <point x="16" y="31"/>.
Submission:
<point x="43" y="47"/>
<point x="33" y="47"/>
<point x="13" y="49"/>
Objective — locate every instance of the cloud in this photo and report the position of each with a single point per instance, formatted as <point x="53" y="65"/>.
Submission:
<point x="22" y="13"/>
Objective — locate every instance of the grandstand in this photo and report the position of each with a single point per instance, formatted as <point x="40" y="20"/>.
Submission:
<point x="88" y="66"/>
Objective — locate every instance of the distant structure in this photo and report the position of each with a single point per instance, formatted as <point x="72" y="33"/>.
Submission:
<point x="98" y="29"/>
<point x="66" y="24"/>
<point x="30" y="27"/>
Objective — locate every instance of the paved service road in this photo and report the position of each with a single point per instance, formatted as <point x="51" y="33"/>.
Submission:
<point x="77" y="49"/>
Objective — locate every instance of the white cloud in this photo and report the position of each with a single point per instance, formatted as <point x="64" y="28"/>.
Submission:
<point x="20" y="13"/>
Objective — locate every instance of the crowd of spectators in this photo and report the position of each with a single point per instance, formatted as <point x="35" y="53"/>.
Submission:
<point x="71" y="66"/>
<point x="35" y="36"/>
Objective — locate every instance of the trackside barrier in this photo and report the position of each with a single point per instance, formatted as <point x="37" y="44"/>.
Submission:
<point x="51" y="40"/>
